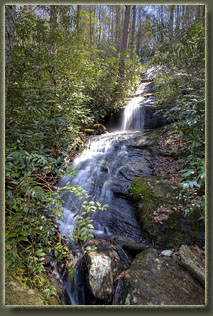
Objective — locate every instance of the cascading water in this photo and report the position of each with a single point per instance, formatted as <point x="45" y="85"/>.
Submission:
<point x="105" y="171"/>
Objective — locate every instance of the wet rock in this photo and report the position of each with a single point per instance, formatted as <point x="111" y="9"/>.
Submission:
<point x="153" y="119"/>
<point x="154" y="280"/>
<point x="191" y="261"/>
<point x="89" y="131"/>
<point x="161" y="215"/>
<point x="167" y="253"/>
<point x="104" y="264"/>
<point x="99" y="128"/>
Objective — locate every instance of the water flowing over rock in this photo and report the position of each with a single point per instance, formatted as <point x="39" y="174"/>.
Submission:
<point x="157" y="280"/>
<point x="106" y="170"/>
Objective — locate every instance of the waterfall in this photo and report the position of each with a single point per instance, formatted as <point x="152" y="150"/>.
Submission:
<point x="105" y="170"/>
<point x="133" y="116"/>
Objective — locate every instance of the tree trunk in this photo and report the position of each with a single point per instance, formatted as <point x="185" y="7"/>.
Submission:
<point x="183" y="16"/>
<point x="99" y="26"/>
<point x="78" y="18"/>
<point x="125" y="36"/>
<point x="10" y="11"/>
<point x="187" y="15"/>
<point x="171" y="22"/>
<point x="133" y="27"/>
<point x="124" y="43"/>
<point x="178" y="17"/>
<point x="161" y="23"/>
<point x="117" y="30"/>
<point x="53" y="17"/>
<point x="90" y="23"/>
<point x="139" y="33"/>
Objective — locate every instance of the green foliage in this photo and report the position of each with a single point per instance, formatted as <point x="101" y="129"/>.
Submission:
<point x="60" y="84"/>
<point x="181" y="96"/>
<point x="83" y="228"/>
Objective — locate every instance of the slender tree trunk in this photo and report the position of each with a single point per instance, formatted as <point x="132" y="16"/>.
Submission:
<point x="139" y="33"/>
<point x="99" y="26"/>
<point x="90" y="23"/>
<point x="112" y="24"/>
<point x="171" y="22"/>
<point x="133" y="27"/>
<point x="117" y="31"/>
<point x="125" y="36"/>
<point x="10" y="11"/>
<point x="183" y="16"/>
<point x="187" y="15"/>
<point x="161" y="23"/>
<point x="178" y="17"/>
<point x="53" y="17"/>
<point x="78" y="17"/>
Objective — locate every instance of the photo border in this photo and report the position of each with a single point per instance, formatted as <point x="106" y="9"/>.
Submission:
<point x="207" y="309"/>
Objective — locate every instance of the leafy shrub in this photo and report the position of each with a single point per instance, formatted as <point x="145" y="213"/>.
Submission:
<point x="181" y="96"/>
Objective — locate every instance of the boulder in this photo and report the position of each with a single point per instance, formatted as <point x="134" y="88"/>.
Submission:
<point x="97" y="129"/>
<point x="153" y="119"/>
<point x="104" y="264"/>
<point x="157" y="280"/>
<point x="100" y="129"/>
<point x="21" y="290"/>
<point x="192" y="262"/>
<point x="160" y="214"/>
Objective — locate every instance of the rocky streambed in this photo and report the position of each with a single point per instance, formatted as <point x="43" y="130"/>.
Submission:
<point x="163" y="265"/>
<point x="144" y="250"/>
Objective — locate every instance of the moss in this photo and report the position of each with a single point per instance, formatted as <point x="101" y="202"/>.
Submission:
<point x="140" y="190"/>
<point x="100" y="128"/>
<point x="90" y="131"/>
<point x="160" y="215"/>
<point x="21" y="290"/>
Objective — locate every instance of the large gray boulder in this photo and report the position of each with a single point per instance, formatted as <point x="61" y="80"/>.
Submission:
<point x="105" y="261"/>
<point x="157" y="280"/>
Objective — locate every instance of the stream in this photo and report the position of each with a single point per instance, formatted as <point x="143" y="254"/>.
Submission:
<point x="105" y="170"/>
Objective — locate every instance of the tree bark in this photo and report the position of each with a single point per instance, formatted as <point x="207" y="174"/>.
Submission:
<point x="133" y="27"/>
<point x="53" y="17"/>
<point x="178" y="17"/>
<point x="171" y="22"/>
<point x="139" y="33"/>
<point x="125" y="36"/>
<point x="161" y="23"/>
<point x="118" y="25"/>
<point x="124" y="43"/>
<point x="10" y="11"/>
<point x="78" y="18"/>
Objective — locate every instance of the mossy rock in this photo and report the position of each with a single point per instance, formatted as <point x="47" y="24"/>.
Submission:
<point x="100" y="129"/>
<point x="97" y="129"/>
<point x="160" y="214"/>
<point x="20" y="290"/>
<point x="157" y="280"/>
<point x="90" y="131"/>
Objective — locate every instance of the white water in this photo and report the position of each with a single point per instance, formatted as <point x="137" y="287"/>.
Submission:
<point x="103" y="153"/>
<point x="105" y="170"/>
<point x="133" y="117"/>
